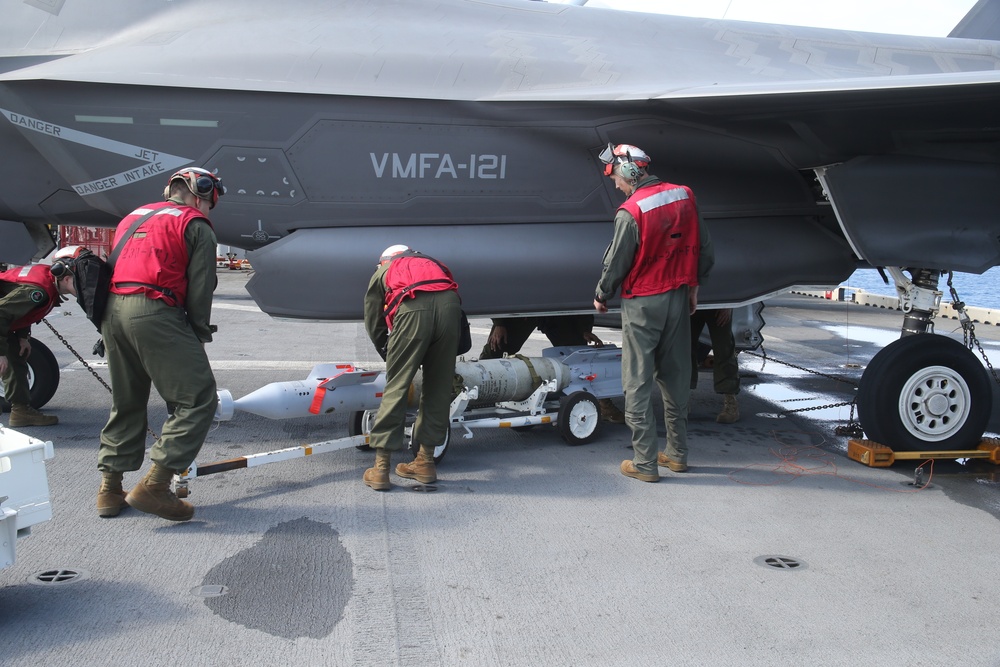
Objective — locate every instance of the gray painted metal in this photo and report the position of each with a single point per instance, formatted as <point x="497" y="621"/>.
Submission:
<point x="982" y="22"/>
<point x="340" y="128"/>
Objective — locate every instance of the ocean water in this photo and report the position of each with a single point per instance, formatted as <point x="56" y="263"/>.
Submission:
<point x="980" y="291"/>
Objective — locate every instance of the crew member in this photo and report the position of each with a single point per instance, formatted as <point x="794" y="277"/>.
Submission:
<point x="659" y="254"/>
<point x="412" y="315"/>
<point x="725" y="368"/>
<point x="27" y="295"/>
<point x="155" y="327"/>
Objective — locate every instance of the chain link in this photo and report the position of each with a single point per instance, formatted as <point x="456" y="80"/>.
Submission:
<point x="852" y="428"/>
<point x="766" y="358"/>
<point x="968" y="328"/>
<point x="88" y="366"/>
<point x="77" y="355"/>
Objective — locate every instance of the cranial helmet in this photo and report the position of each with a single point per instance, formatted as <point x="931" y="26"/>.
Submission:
<point x="392" y="250"/>
<point x="628" y="159"/>
<point x="201" y="182"/>
<point x="64" y="261"/>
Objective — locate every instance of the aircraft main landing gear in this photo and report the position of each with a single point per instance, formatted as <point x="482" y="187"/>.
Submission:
<point x="924" y="391"/>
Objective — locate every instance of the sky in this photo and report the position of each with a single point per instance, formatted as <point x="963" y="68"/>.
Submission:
<point x="930" y="18"/>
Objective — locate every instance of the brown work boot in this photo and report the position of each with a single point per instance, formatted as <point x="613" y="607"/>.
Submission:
<point x="610" y="412"/>
<point x="628" y="469"/>
<point x="22" y="414"/>
<point x="111" y="496"/>
<point x="422" y="469"/>
<point x="730" y="410"/>
<point x="153" y="496"/>
<point x="667" y="462"/>
<point x="378" y="477"/>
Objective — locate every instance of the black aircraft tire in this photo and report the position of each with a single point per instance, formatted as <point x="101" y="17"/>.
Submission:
<point x="925" y="392"/>
<point x="579" y="419"/>
<point x="439" y="451"/>
<point x="43" y="377"/>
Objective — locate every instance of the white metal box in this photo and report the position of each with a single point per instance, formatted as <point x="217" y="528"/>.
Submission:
<point x="24" y="488"/>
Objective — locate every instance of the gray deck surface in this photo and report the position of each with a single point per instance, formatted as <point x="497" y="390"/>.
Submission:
<point x="530" y="552"/>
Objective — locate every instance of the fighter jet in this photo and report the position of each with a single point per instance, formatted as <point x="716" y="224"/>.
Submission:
<point x="471" y="130"/>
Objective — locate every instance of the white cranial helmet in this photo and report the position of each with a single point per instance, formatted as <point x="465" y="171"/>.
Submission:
<point x="393" y="250"/>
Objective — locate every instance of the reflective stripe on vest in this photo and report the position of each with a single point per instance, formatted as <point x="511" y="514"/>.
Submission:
<point x="667" y="256"/>
<point x="143" y="266"/>
<point x="40" y="276"/>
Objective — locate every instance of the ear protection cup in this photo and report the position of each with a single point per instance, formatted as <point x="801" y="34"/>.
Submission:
<point x="60" y="268"/>
<point x="630" y="171"/>
<point x="202" y="184"/>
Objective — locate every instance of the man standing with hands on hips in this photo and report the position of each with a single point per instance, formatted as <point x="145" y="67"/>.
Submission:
<point x="659" y="254"/>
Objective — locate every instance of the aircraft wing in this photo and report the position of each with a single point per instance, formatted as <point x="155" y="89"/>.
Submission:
<point x="470" y="130"/>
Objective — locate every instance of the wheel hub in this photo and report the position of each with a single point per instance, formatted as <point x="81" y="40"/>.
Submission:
<point x="934" y="403"/>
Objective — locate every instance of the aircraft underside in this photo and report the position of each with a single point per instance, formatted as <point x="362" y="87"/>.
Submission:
<point x="510" y="195"/>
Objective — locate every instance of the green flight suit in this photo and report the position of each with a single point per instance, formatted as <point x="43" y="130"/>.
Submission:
<point x="16" y="301"/>
<point x="424" y="335"/>
<point x="725" y="367"/>
<point x="152" y="344"/>
<point x="656" y="344"/>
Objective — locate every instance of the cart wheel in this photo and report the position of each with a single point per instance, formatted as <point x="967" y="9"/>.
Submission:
<point x="439" y="451"/>
<point x="579" y="418"/>
<point x="360" y="423"/>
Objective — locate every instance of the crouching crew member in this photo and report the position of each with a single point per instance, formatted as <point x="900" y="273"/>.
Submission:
<point x="155" y="328"/>
<point x="27" y="295"/>
<point x="412" y="314"/>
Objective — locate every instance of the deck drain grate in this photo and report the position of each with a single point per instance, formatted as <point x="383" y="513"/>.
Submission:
<point x="57" y="577"/>
<point x="780" y="562"/>
<point x="209" y="591"/>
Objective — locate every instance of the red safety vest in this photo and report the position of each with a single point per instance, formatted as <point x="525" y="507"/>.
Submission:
<point x="410" y="273"/>
<point x="156" y="255"/>
<point x="667" y="257"/>
<point x="40" y="276"/>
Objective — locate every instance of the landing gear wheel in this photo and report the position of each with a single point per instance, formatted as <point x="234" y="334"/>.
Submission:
<point x="579" y="418"/>
<point x="924" y="392"/>
<point x="360" y="423"/>
<point x="43" y="377"/>
<point x="439" y="451"/>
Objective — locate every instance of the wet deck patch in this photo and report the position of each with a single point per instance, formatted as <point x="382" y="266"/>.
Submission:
<point x="295" y="582"/>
